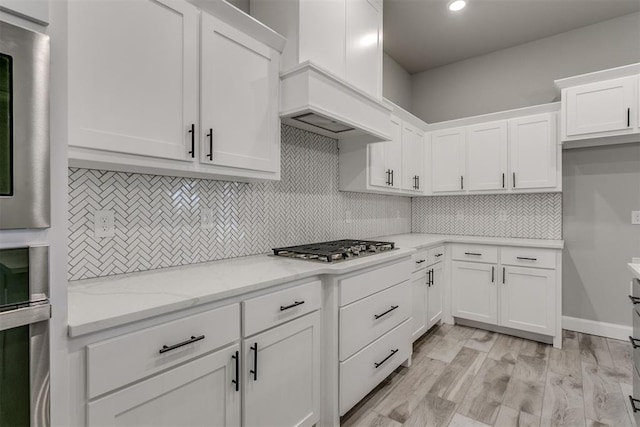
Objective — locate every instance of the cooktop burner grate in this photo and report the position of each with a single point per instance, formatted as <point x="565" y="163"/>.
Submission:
<point x="335" y="250"/>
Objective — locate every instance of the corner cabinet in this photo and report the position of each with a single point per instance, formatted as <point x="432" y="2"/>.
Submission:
<point x="162" y="87"/>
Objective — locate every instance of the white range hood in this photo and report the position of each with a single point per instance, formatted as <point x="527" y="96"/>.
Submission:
<point x="312" y="98"/>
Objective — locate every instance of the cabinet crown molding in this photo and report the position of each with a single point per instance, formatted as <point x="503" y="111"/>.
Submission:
<point x="597" y="76"/>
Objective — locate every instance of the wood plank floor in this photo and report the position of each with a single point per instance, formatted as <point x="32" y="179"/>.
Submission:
<point x="463" y="376"/>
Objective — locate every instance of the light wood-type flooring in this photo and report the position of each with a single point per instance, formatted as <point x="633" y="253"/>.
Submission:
<point x="462" y="376"/>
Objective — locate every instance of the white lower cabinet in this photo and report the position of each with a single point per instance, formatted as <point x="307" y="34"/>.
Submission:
<point x="474" y="291"/>
<point x="435" y="301"/>
<point x="199" y="393"/>
<point x="419" y="302"/>
<point x="522" y="291"/>
<point x="281" y="375"/>
<point x="528" y="299"/>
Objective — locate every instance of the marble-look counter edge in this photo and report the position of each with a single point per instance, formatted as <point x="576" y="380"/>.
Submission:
<point x="635" y="269"/>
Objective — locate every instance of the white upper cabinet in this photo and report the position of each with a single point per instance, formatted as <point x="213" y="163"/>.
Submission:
<point x="412" y="159"/>
<point x="364" y="45"/>
<point x="385" y="159"/>
<point x="602" y="105"/>
<point x="534" y="150"/>
<point x="133" y="77"/>
<point x="239" y="120"/>
<point x="486" y="156"/>
<point x="447" y="160"/>
<point x="161" y="87"/>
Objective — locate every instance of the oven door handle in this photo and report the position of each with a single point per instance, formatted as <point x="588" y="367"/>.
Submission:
<point x="25" y="316"/>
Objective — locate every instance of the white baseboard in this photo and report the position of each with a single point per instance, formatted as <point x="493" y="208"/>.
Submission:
<point x="609" y="330"/>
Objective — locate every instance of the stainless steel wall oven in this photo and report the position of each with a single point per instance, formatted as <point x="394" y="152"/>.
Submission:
<point x="24" y="128"/>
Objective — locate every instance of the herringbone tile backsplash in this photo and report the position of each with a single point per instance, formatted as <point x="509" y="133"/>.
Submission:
<point x="157" y="218"/>
<point x="531" y="216"/>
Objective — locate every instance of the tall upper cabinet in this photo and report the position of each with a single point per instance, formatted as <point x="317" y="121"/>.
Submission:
<point x="163" y="87"/>
<point x="601" y="107"/>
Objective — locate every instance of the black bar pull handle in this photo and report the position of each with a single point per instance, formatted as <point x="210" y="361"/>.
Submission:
<point x="236" y="381"/>
<point x="473" y="253"/>
<point x="493" y="274"/>
<point x="191" y="340"/>
<point x="388" y="172"/>
<point x="192" y="131"/>
<point x="633" y="342"/>
<point x="461" y="182"/>
<point x="526" y="258"/>
<point x="514" y="180"/>
<point x="629" y="117"/>
<point x="210" y="136"/>
<point x="254" y="371"/>
<point x="287" y="307"/>
<point x="428" y="278"/>
<point x="431" y="279"/>
<point x="393" y="307"/>
<point x="438" y="255"/>
<point x="633" y="404"/>
<point x="392" y="177"/>
<point x="378" y="364"/>
<point x="504" y="274"/>
<point x="503" y="180"/>
<point x="634" y="300"/>
<point x="418" y="182"/>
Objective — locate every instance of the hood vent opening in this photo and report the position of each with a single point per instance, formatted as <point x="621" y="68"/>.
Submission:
<point x="322" y="122"/>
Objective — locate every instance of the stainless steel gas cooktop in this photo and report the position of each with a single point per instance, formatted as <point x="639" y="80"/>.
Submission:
<point x="336" y="250"/>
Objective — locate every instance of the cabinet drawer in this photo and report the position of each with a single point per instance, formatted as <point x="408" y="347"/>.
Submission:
<point x="529" y="257"/>
<point x="367" y="319"/>
<point x="269" y="310"/>
<point x="366" y="369"/>
<point x="477" y="253"/>
<point x="122" y="360"/>
<point x="362" y="285"/>
<point x="436" y="255"/>
<point x="420" y="260"/>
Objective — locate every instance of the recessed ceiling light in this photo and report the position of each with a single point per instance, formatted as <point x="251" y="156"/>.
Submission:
<point x="456" y="5"/>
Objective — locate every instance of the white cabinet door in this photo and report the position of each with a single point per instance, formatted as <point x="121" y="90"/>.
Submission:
<point x="447" y="160"/>
<point x="133" y="77"/>
<point x="487" y="156"/>
<point x="385" y="159"/>
<point x="436" y="294"/>
<point x="239" y="96"/>
<point x="475" y="295"/>
<point x="282" y="375"/>
<point x="412" y="159"/>
<point x="364" y="45"/>
<point x="528" y="299"/>
<point x="419" y="288"/>
<point x="533" y="145"/>
<point x="601" y="107"/>
<point x="199" y="393"/>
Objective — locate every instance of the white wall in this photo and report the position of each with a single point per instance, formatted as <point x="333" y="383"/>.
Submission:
<point x="601" y="188"/>
<point x="523" y="75"/>
<point x="396" y="83"/>
<point x="243" y="5"/>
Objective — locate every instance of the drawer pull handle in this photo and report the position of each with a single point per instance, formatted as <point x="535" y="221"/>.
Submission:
<point x="634" y="300"/>
<point x="378" y="364"/>
<point x="393" y="307"/>
<point x="237" y="380"/>
<point x="493" y="274"/>
<point x="524" y="258"/>
<point x="633" y="403"/>
<point x="633" y="342"/>
<point x="191" y="340"/>
<point x="254" y="371"/>
<point x="439" y="255"/>
<point x="420" y="261"/>
<point x="287" y="307"/>
<point x="472" y="253"/>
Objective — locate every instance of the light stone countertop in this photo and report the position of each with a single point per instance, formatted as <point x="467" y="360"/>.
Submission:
<point x="106" y="302"/>
<point x="635" y="269"/>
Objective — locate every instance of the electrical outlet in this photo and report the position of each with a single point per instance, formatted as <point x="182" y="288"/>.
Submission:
<point x="347" y="217"/>
<point x="502" y="216"/>
<point x="103" y="224"/>
<point x="635" y="217"/>
<point x="460" y="216"/>
<point x="206" y="219"/>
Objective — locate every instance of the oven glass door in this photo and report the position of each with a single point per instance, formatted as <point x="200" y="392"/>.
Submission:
<point x="15" y="387"/>
<point x="6" y="130"/>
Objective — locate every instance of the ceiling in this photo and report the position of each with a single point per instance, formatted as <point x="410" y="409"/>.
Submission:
<point x="423" y="34"/>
